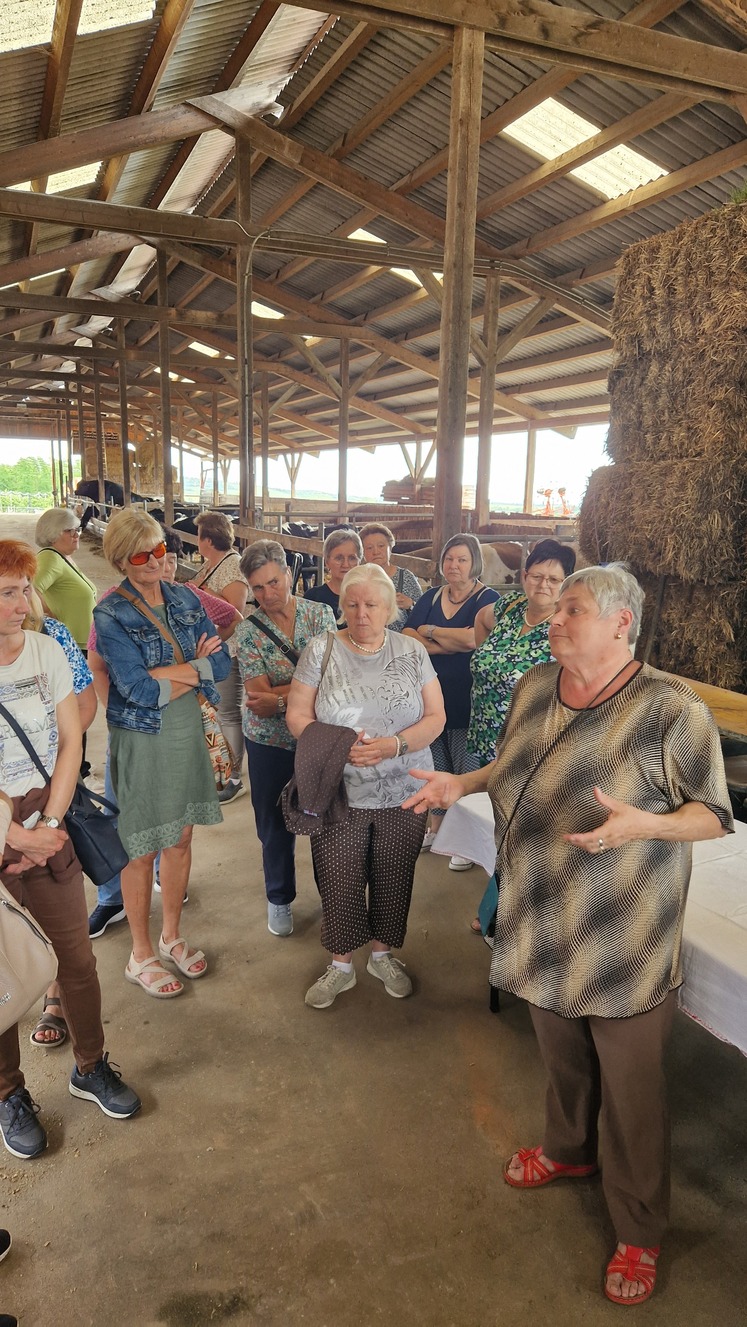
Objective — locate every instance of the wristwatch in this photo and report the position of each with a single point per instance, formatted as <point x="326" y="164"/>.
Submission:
<point x="282" y="705"/>
<point x="403" y="745"/>
<point x="50" y="821"/>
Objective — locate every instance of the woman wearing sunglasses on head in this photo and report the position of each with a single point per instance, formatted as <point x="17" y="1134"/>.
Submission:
<point x="160" y="765"/>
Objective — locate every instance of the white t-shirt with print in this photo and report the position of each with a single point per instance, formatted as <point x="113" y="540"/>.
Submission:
<point x="31" y="688"/>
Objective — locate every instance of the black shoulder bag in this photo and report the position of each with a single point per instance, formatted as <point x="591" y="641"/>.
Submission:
<point x="92" y="831"/>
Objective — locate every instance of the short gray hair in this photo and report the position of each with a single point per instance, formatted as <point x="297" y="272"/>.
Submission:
<point x="258" y="554"/>
<point x="374" y="577"/>
<point x="344" y="536"/>
<point x="475" y="552"/>
<point x="612" y="587"/>
<point x="51" y="524"/>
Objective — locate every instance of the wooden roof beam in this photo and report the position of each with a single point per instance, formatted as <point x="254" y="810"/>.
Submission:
<point x="547" y="32"/>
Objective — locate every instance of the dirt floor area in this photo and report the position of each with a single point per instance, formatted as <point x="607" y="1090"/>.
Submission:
<point x="292" y="1166"/>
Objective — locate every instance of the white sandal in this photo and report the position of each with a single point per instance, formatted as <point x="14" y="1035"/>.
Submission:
<point x="187" y="960"/>
<point x="134" y="973"/>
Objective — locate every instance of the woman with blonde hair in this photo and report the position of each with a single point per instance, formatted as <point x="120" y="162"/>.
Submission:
<point x="221" y="574"/>
<point x="160" y="649"/>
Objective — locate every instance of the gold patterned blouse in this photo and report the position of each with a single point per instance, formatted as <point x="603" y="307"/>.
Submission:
<point x="597" y="934"/>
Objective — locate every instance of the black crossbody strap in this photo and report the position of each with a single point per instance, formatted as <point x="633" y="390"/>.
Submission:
<point x="23" y="739"/>
<point x="287" y="650"/>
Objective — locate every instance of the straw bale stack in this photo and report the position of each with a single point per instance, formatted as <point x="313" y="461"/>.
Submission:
<point x="700" y="631"/>
<point x="674" y="503"/>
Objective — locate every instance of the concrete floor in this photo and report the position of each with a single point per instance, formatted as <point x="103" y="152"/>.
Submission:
<point x="340" y="1167"/>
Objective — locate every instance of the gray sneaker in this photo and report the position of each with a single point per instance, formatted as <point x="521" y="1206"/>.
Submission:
<point x="389" y="970"/>
<point x="325" y="991"/>
<point x="279" y="919"/>
<point x="22" y="1133"/>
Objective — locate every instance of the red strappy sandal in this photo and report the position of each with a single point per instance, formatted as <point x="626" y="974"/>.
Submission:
<point x="536" y="1173"/>
<point x="629" y="1266"/>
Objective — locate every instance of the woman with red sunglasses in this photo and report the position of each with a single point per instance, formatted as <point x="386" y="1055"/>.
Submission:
<point x="160" y="766"/>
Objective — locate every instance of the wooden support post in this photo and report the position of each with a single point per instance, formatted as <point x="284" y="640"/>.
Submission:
<point x="59" y="456"/>
<point x="165" y="364"/>
<point x="265" y="426"/>
<point x="69" y="438"/>
<point x="180" y="439"/>
<point x="55" y="491"/>
<point x="82" y="432"/>
<point x="531" y="461"/>
<point x="461" y="209"/>
<point x="244" y="347"/>
<point x="214" y="432"/>
<point x="344" y="419"/>
<point x="491" y="310"/>
<point x="124" y="423"/>
<point x="99" y="423"/>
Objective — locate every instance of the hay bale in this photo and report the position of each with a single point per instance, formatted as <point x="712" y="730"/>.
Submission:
<point x="596" y="517"/>
<point x="700" y="632"/>
<point x="682" y="518"/>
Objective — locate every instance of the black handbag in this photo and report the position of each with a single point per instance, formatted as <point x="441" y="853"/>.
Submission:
<point x="92" y="831"/>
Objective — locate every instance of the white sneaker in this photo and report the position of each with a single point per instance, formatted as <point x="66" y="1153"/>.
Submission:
<point x="325" y="991"/>
<point x="460" y="864"/>
<point x="430" y="835"/>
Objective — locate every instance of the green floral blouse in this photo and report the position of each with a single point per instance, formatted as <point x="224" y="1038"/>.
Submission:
<point x="497" y="665"/>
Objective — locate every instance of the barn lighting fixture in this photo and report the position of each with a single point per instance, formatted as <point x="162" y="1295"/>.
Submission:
<point x="551" y="129"/>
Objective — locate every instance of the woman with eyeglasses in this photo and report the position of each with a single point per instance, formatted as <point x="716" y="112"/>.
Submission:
<point x="511" y="636"/>
<point x="66" y="593"/>
<point x="160" y="767"/>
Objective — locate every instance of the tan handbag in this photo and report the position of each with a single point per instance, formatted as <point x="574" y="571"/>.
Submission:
<point x="28" y="962"/>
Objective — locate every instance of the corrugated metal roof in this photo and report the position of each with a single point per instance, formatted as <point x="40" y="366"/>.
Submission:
<point x="551" y="367"/>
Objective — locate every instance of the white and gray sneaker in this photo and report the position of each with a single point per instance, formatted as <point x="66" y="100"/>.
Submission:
<point x="325" y="991"/>
<point x="389" y="970"/>
<point x="279" y="919"/>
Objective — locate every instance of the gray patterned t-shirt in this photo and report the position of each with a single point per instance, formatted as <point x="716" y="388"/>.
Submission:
<point x="381" y="696"/>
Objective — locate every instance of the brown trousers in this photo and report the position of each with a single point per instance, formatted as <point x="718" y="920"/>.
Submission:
<point x="607" y="1075"/>
<point x="60" y="908"/>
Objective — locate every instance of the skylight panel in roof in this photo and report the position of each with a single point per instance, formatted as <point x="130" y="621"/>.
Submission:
<point x="98" y="15"/>
<point x="66" y="180"/>
<point x="26" y="23"/>
<point x="264" y="311"/>
<point x="551" y="129"/>
<point x="202" y="349"/>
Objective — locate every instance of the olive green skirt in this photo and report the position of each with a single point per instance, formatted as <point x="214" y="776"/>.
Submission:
<point x="163" y="781"/>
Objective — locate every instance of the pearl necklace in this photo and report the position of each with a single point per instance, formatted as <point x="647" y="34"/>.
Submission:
<point x="365" y="648"/>
<point x="532" y="625"/>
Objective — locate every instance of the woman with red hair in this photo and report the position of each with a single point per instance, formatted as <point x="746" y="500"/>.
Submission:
<point x="39" y="865"/>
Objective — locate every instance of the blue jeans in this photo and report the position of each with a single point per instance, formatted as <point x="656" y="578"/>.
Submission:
<point x="110" y="894"/>
<point x="270" y="768"/>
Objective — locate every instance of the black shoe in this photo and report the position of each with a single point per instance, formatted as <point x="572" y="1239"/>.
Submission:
<point x="22" y="1133"/>
<point x="106" y="914"/>
<point x="7" y="1321"/>
<point x="104" y="1086"/>
<point x="5" y="1243"/>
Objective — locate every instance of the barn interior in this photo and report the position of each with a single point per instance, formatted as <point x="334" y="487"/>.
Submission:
<point x="241" y="230"/>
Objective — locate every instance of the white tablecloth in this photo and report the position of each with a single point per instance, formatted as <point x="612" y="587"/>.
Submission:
<point x="714" y="948"/>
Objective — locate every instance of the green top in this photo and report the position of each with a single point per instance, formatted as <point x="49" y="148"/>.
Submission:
<point x="497" y="665"/>
<point x="67" y="593"/>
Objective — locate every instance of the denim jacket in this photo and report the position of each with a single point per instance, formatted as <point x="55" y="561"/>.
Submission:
<point x="131" y="645"/>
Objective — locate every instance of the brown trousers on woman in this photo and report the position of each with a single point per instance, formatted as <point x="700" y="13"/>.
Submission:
<point x="607" y="1076"/>
<point x="59" y="905"/>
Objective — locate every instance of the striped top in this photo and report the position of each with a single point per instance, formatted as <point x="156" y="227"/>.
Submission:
<point x="597" y="934"/>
